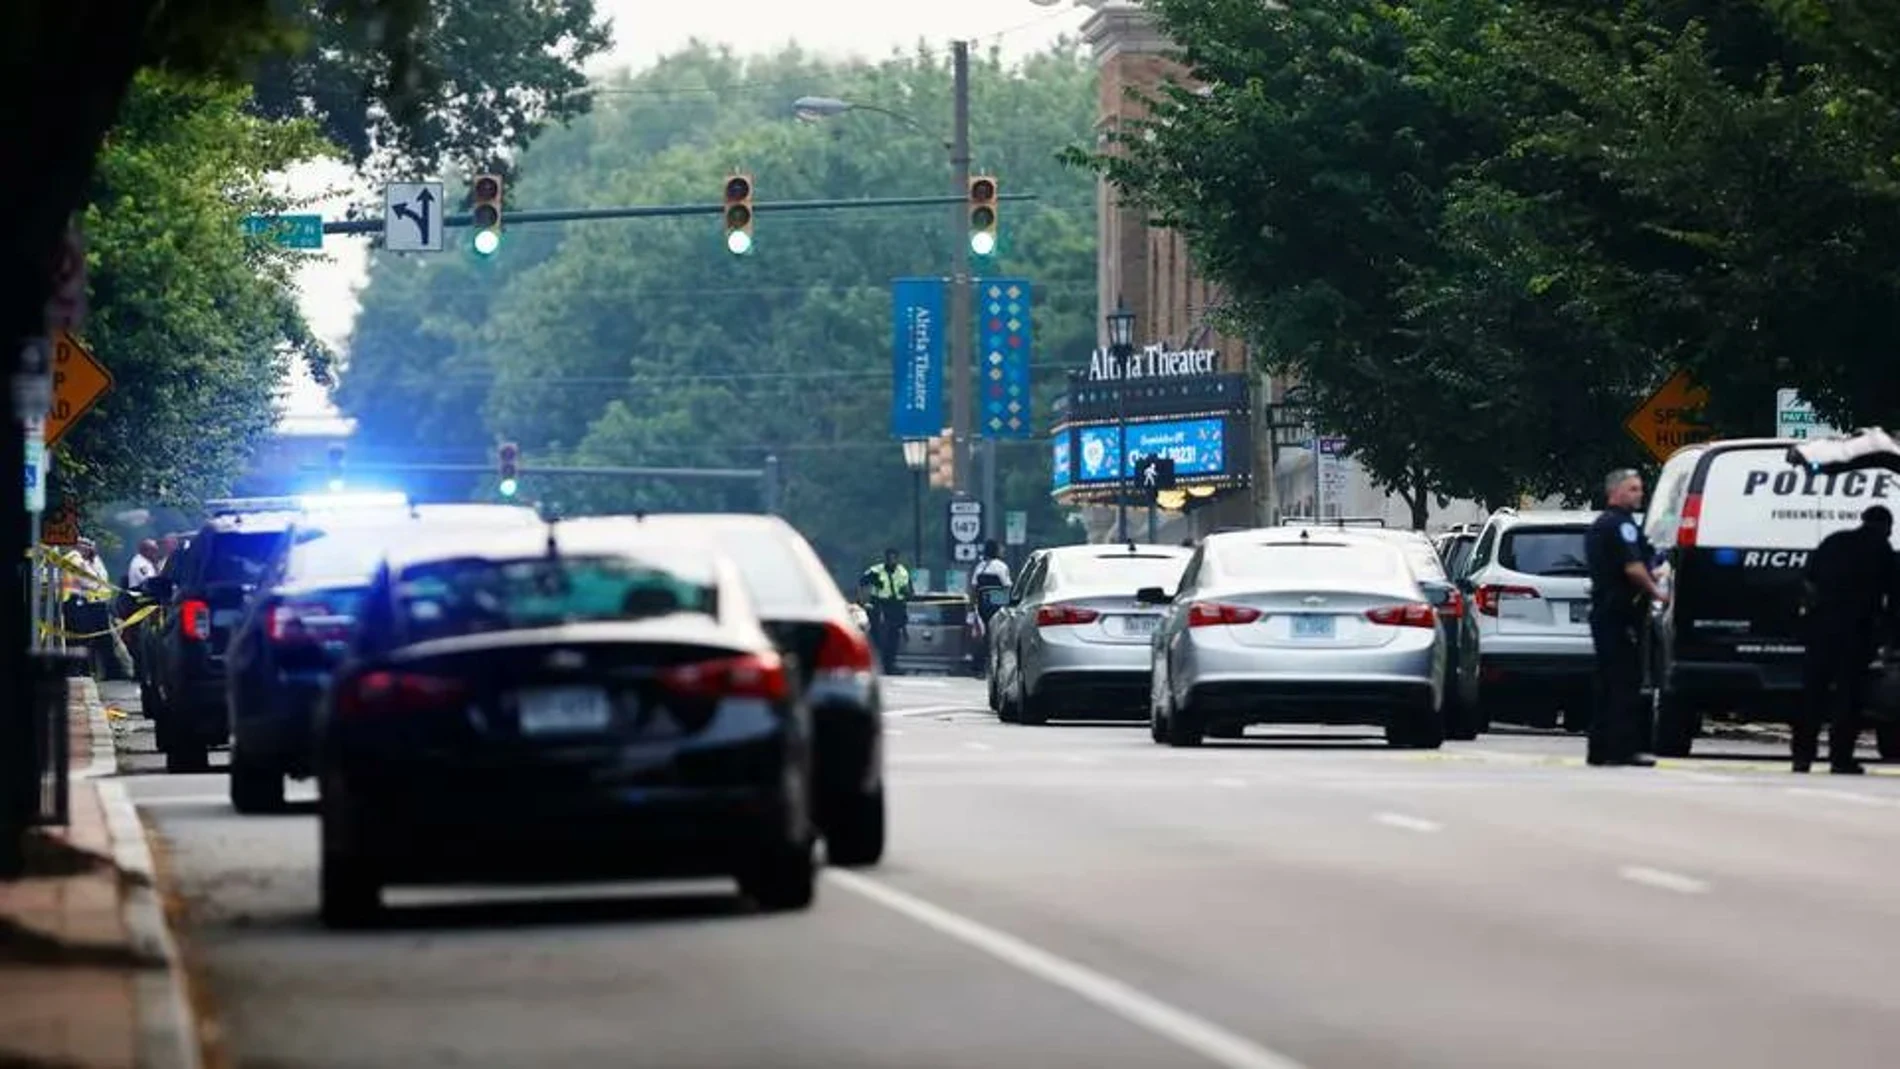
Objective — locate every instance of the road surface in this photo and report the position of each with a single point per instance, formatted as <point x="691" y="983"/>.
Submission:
<point x="1075" y="896"/>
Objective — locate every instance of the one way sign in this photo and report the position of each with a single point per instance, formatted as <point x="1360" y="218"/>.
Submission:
<point x="1154" y="474"/>
<point x="412" y="219"/>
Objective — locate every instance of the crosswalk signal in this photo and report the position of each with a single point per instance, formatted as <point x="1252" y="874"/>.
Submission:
<point x="983" y="215"/>
<point x="509" y="468"/>
<point x="739" y="214"/>
<point x="336" y="469"/>
<point x="943" y="462"/>
<point x="486" y="214"/>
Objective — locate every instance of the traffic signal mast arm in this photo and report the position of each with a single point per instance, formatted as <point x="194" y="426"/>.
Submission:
<point x="669" y="211"/>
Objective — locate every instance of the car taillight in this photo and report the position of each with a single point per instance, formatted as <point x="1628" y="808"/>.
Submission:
<point x="1454" y="606"/>
<point x="290" y="624"/>
<point x="1489" y="597"/>
<point x="1065" y="616"/>
<point x="1690" y="521"/>
<point x="386" y="692"/>
<point x="1216" y="614"/>
<point x="844" y="650"/>
<point x="194" y="618"/>
<point x="1415" y="614"/>
<point x="754" y="675"/>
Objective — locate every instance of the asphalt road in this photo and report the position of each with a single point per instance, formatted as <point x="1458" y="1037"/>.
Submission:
<point x="1077" y="896"/>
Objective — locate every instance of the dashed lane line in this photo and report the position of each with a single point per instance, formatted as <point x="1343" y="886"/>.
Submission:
<point x="1663" y="879"/>
<point x="1407" y="823"/>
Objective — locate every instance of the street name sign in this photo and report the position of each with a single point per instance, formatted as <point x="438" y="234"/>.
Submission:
<point x="412" y="217"/>
<point x="1795" y="418"/>
<point x="1668" y="420"/>
<point x="79" y="381"/>
<point x="301" y="231"/>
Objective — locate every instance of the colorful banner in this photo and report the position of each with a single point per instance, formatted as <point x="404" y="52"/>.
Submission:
<point x="917" y="341"/>
<point x="1003" y="324"/>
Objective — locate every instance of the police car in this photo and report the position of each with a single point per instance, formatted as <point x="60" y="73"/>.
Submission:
<point x="1736" y="523"/>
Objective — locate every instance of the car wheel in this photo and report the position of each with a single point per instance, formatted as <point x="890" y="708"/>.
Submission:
<point x="148" y="701"/>
<point x="256" y="790"/>
<point x="1157" y="719"/>
<point x="186" y="754"/>
<point x="349" y="894"/>
<point x="1676" y="725"/>
<point x="854" y="835"/>
<point x="1184" y="727"/>
<point x="785" y="879"/>
<point x="1417" y="728"/>
<point x="1887" y="738"/>
<point x="996" y="697"/>
<point x="1028" y="710"/>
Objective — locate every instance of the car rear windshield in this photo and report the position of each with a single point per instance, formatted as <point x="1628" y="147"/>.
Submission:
<point x="1315" y="561"/>
<point x="937" y="613"/>
<point x="444" y="599"/>
<point x="240" y="556"/>
<point x="776" y="577"/>
<point x="1122" y="571"/>
<point x="1424" y="561"/>
<point x="349" y="553"/>
<point x="1544" y="551"/>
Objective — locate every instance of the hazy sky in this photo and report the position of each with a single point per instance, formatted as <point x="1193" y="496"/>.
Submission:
<point x="647" y="29"/>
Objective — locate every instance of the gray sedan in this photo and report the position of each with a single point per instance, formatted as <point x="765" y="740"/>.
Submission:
<point x="1297" y="627"/>
<point x="1073" y="640"/>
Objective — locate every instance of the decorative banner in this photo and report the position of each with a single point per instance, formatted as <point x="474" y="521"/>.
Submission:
<point x="1002" y="318"/>
<point x="917" y="357"/>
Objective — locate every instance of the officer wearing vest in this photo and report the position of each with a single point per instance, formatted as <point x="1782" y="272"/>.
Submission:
<point x="1621" y="589"/>
<point x="886" y="588"/>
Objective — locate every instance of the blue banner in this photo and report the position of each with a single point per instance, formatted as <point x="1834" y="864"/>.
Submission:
<point x="917" y="357"/>
<point x="1003" y="324"/>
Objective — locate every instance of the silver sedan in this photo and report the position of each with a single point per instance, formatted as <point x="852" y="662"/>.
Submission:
<point x="1073" y="640"/>
<point x="1278" y="626"/>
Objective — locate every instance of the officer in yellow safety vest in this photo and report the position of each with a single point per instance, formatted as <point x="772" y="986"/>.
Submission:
<point x="86" y="596"/>
<point x="885" y="588"/>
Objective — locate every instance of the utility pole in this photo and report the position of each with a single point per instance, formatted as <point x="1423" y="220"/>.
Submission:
<point x="960" y="285"/>
<point x="1266" y="483"/>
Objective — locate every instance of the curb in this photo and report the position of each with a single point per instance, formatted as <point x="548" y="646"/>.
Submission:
<point x="105" y="752"/>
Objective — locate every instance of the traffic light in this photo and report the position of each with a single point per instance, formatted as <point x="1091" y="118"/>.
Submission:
<point x="739" y="214"/>
<point x="486" y="214"/>
<point x="943" y="461"/>
<point x="336" y="469"/>
<point x="510" y="469"/>
<point x="983" y="215"/>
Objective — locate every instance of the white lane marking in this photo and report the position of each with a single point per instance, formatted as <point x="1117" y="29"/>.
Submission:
<point x="929" y="710"/>
<point x="1400" y="820"/>
<point x="1078" y="759"/>
<point x="978" y="746"/>
<point x="916" y="681"/>
<point x="1203" y="1037"/>
<point x="1841" y="796"/>
<point x="1228" y="781"/>
<point x="893" y="733"/>
<point x="1664" y="879"/>
<point x="161" y="800"/>
<point x="1709" y="777"/>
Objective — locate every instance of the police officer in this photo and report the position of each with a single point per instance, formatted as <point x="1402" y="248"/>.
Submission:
<point x="1621" y="589"/>
<point x="887" y="588"/>
<point x="1851" y="597"/>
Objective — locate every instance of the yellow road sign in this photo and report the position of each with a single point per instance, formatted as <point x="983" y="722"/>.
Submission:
<point x="79" y="381"/>
<point x="1668" y="420"/>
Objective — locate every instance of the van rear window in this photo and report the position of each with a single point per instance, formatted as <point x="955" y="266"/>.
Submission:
<point x="1755" y="499"/>
<point x="1545" y="551"/>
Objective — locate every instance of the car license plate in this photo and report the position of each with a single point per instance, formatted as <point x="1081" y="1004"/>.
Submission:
<point x="1140" y="625"/>
<point x="564" y="710"/>
<point x="1579" y="612"/>
<point x="1312" y="626"/>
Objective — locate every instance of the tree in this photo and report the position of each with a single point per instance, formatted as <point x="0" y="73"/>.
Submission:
<point x="196" y="322"/>
<point x="646" y="343"/>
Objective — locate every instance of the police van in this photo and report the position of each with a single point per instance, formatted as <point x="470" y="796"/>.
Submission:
<point x="1736" y="522"/>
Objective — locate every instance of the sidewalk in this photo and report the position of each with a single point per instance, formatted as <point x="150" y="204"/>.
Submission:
<point x="89" y="975"/>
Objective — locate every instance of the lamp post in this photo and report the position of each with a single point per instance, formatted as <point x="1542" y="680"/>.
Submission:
<point x="916" y="455"/>
<point x="1121" y="343"/>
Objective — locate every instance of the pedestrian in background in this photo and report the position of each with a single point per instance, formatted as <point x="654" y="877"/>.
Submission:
<point x="1622" y="587"/>
<point x="887" y="591"/>
<point x="1851" y="597"/>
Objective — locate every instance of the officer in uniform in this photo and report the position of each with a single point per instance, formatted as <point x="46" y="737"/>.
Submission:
<point x="887" y="588"/>
<point x="1851" y="598"/>
<point x="1621" y="588"/>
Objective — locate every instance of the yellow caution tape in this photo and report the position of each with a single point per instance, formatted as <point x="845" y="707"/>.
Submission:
<point x="126" y="624"/>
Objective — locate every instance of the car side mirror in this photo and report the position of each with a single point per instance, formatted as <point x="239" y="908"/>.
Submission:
<point x="1153" y="595"/>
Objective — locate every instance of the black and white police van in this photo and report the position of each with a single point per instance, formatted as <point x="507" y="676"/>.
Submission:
<point x="1735" y="522"/>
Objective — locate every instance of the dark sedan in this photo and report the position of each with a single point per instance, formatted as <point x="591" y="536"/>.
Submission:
<point x="553" y="706"/>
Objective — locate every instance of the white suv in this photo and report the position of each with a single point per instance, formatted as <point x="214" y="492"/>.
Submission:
<point x="1528" y="579"/>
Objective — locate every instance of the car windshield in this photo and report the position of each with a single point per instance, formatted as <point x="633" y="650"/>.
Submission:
<point x="240" y="556"/>
<point x="1310" y="561"/>
<point x="1545" y="551"/>
<point x="1120" y="571"/>
<point x="444" y="599"/>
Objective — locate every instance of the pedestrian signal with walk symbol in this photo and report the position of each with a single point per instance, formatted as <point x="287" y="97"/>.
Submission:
<point x="1154" y="474"/>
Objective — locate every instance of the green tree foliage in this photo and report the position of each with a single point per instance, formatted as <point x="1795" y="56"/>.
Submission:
<point x="646" y="343"/>
<point x="196" y="322"/>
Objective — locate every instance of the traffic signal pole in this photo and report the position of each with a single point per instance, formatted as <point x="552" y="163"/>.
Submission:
<point x="961" y="381"/>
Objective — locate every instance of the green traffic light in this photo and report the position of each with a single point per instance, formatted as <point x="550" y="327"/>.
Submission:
<point x="487" y="242"/>
<point x="508" y="487"/>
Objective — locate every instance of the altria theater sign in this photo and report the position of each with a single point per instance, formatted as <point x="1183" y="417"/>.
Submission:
<point x="1152" y="362"/>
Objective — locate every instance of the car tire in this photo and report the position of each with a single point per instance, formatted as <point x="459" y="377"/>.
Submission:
<point x="349" y="893"/>
<point x="186" y="755"/>
<point x="256" y="790"/>
<point x="1184" y="729"/>
<point x="854" y="836"/>
<point x="1028" y="710"/>
<point x="1677" y="724"/>
<point x="1887" y="739"/>
<point x="148" y="701"/>
<point x="786" y="879"/>
<point x="1157" y="717"/>
<point x="1417" y="728"/>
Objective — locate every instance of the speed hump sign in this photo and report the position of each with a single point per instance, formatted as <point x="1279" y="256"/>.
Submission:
<point x="966" y="528"/>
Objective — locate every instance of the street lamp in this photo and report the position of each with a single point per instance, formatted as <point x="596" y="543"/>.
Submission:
<point x="1121" y="342"/>
<point x="916" y="456"/>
